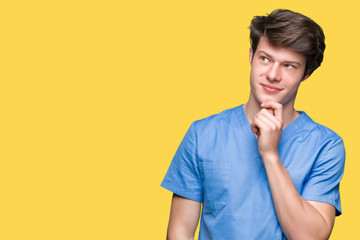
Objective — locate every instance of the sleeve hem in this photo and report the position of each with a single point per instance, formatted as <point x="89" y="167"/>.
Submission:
<point x="319" y="199"/>
<point x="182" y="192"/>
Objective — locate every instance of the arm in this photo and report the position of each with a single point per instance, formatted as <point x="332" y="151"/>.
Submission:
<point x="299" y="219"/>
<point x="184" y="218"/>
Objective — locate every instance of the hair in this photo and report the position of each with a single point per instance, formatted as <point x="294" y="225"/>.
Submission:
<point x="285" y="28"/>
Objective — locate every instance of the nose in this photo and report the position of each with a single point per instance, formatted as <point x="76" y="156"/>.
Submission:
<point x="274" y="73"/>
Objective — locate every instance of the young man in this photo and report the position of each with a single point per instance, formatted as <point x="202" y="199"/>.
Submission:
<point x="262" y="170"/>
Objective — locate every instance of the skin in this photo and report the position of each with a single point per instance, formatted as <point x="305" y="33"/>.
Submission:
<point x="278" y="68"/>
<point x="269" y="113"/>
<point x="276" y="74"/>
<point x="184" y="218"/>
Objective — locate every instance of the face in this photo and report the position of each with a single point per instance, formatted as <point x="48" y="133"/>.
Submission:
<point x="276" y="74"/>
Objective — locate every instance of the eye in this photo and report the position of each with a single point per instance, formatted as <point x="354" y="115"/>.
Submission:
<point x="264" y="59"/>
<point x="289" y="66"/>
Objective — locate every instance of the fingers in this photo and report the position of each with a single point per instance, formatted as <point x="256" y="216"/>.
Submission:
<point x="276" y="108"/>
<point x="265" y="120"/>
<point x="267" y="126"/>
<point x="268" y="118"/>
<point x="265" y="123"/>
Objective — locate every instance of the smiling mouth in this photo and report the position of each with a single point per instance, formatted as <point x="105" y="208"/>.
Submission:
<point x="270" y="89"/>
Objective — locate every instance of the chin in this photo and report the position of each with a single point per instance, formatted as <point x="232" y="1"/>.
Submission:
<point x="269" y="99"/>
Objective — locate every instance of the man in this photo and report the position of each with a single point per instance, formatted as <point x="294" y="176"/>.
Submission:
<point x="262" y="170"/>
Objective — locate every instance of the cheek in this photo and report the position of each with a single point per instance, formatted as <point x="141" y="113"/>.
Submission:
<point x="295" y="74"/>
<point x="293" y="80"/>
<point x="255" y="74"/>
<point x="293" y="88"/>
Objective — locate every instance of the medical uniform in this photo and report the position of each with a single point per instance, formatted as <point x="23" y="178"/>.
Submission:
<point x="218" y="164"/>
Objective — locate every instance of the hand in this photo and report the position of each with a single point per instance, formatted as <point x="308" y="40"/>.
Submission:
<point x="267" y="126"/>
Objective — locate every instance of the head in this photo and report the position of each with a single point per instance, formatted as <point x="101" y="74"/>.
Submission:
<point x="286" y="47"/>
<point x="284" y="28"/>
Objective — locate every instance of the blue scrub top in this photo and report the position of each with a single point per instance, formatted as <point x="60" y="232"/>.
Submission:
<point x="218" y="164"/>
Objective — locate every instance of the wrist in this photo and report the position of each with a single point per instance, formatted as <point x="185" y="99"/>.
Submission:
<point x="272" y="157"/>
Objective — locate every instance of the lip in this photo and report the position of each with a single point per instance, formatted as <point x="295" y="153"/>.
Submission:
<point x="270" y="89"/>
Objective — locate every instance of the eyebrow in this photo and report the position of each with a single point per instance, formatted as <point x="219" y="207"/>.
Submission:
<point x="286" y="61"/>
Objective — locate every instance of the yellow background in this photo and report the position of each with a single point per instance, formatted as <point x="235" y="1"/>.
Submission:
<point x="97" y="95"/>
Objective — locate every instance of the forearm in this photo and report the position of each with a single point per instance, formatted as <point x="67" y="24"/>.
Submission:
<point x="179" y="231"/>
<point x="297" y="217"/>
<point x="184" y="218"/>
<point x="179" y="235"/>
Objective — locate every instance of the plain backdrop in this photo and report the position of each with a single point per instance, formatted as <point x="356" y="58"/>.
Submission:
<point x="96" y="96"/>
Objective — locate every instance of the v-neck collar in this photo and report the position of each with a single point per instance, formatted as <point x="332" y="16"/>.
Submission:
<point x="296" y="124"/>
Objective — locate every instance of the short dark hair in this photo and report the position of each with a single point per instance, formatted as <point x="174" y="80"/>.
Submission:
<point x="285" y="28"/>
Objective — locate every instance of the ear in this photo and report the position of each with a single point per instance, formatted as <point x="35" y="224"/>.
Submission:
<point x="306" y="75"/>
<point x="251" y="54"/>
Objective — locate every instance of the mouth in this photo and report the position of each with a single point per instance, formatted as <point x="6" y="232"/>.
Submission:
<point x="270" y="89"/>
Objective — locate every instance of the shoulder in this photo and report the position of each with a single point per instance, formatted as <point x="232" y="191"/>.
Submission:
<point x="214" y="121"/>
<point x="320" y="131"/>
<point x="323" y="136"/>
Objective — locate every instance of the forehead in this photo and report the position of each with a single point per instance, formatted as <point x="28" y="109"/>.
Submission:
<point x="282" y="54"/>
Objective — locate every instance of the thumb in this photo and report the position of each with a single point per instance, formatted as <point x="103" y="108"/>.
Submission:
<point x="271" y="111"/>
<point x="255" y="129"/>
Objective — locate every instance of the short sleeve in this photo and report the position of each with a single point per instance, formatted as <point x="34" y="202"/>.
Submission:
<point x="183" y="177"/>
<point x="324" y="179"/>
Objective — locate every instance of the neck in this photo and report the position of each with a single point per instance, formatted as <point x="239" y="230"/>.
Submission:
<point x="251" y="108"/>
